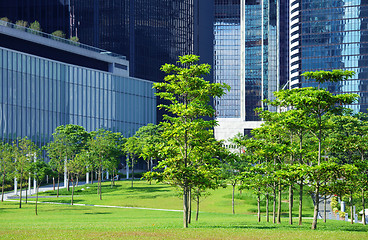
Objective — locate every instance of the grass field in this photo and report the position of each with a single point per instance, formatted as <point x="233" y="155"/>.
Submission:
<point x="215" y="221"/>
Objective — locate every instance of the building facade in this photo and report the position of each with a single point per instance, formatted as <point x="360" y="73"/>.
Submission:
<point x="149" y="33"/>
<point x="247" y="56"/>
<point x="330" y="34"/>
<point x="39" y="93"/>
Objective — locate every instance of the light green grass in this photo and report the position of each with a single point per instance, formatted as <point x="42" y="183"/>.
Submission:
<point x="216" y="222"/>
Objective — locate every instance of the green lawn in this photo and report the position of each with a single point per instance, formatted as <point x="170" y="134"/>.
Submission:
<point x="216" y="222"/>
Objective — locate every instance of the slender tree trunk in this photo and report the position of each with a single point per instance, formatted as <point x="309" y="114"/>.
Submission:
<point x="316" y="207"/>
<point x="132" y="171"/>
<point x="274" y="204"/>
<point x="291" y="203"/>
<point x="26" y="192"/>
<point x="363" y="206"/>
<point x="267" y="206"/>
<point x="99" y="182"/>
<point x="185" y="206"/>
<point x="301" y="202"/>
<point x="2" y="188"/>
<point x="351" y="208"/>
<point x="38" y="186"/>
<point x="259" y="205"/>
<point x="20" y="194"/>
<point x="58" y="184"/>
<point x="72" y="193"/>
<point x="68" y="182"/>
<point x="190" y="205"/>
<point x="92" y="172"/>
<point x="324" y="209"/>
<point x="197" y="213"/>
<point x="279" y="205"/>
<point x="233" y="198"/>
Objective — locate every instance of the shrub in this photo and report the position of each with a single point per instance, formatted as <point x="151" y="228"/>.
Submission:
<point x="58" y="33"/>
<point x="35" y="26"/>
<point x="22" y="24"/>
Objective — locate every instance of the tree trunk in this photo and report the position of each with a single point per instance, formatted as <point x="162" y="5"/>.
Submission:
<point x="279" y="204"/>
<point x="324" y="209"/>
<point x="259" y="205"/>
<point x="301" y="202"/>
<point x="316" y="208"/>
<point x="291" y="203"/>
<point x="197" y="213"/>
<point x="2" y="188"/>
<point x="233" y="199"/>
<point x="99" y="182"/>
<point x="27" y="192"/>
<point x="190" y="206"/>
<point x="351" y="208"/>
<point x="185" y="206"/>
<point x="274" y="204"/>
<point x="132" y="171"/>
<point x="72" y="193"/>
<point x="68" y="182"/>
<point x="20" y="194"/>
<point x="267" y="205"/>
<point x="38" y="186"/>
<point x="363" y="205"/>
<point x="58" y="184"/>
<point x="92" y="176"/>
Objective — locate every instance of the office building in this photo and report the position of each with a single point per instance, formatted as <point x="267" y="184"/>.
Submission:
<point x="247" y="55"/>
<point x="330" y="34"/>
<point x="149" y="33"/>
<point x="45" y="83"/>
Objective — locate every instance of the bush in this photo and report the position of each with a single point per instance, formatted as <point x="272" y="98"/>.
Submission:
<point x="22" y="24"/>
<point x="35" y="26"/>
<point x="335" y="203"/>
<point x="59" y="34"/>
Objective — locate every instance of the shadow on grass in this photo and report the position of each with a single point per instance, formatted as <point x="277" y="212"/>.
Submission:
<point x="148" y="189"/>
<point x="63" y="201"/>
<point x="97" y="213"/>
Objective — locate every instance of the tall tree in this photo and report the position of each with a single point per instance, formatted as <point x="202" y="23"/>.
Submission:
<point x="6" y="164"/>
<point x="25" y="152"/>
<point x="185" y="127"/>
<point x="39" y="170"/>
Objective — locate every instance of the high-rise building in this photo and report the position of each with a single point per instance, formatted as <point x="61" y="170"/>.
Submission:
<point x="149" y="33"/>
<point x="330" y="34"/>
<point x="247" y="53"/>
<point x="46" y="83"/>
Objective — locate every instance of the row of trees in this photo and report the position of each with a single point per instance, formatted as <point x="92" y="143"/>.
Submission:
<point x="312" y="140"/>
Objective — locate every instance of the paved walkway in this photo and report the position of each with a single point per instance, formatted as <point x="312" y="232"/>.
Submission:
<point x="12" y="195"/>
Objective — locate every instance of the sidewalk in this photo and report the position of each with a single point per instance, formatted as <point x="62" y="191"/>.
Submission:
<point x="12" y="195"/>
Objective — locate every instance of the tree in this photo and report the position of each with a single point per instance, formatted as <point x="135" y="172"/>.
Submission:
<point x="133" y="148"/>
<point x="25" y="152"/>
<point x="35" y="26"/>
<point x="6" y="164"/>
<point x="39" y="170"/>
<point x="58" y="34"/>
<point x="184" y="128"/>
<point x="103" y="146"/>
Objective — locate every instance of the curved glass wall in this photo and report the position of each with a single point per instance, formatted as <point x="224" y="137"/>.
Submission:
<point x="37" y="95"/>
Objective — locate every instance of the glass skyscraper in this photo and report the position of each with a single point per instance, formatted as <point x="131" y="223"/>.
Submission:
<point x="149" y="32"/>
<point x="247" y="57"/>
<point x="330" y="34"/>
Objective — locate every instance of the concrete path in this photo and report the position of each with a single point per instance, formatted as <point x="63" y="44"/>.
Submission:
<point x="12" y="195"/>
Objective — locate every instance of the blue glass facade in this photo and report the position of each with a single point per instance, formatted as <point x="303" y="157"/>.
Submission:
<point x="149" y="32"/>
<point x="227" y="56"/>
<point x="333" y="34"/>
<point x="37" y="95"/>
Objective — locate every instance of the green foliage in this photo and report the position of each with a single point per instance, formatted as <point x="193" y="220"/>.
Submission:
<point x="58" y="34"/>
<point x="74" y="39"/>
<point x="22" y="24"/>
<point x="35" y="26"/>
